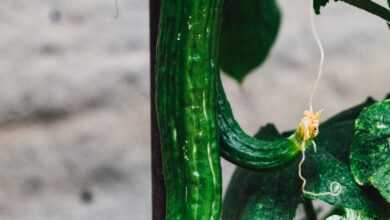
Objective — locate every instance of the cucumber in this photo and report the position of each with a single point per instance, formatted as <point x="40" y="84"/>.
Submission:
<point x="186" y="70"/>
<point x="194" y="117"/>
<point x="246" y="151"/>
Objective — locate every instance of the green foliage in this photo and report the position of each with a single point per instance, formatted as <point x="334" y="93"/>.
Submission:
<point x="197" y="125"/>
<point x="370" y="153"/>
<point x="263" y="194"/>
<point x="353" y="146"/>
<point x="351" y="113"/>
<point x="249" y="29"/>
<point x="321" y="169"/>
<point x="350" y="214"/>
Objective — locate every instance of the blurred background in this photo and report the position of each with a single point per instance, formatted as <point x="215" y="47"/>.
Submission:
<point x="74" y="98"/>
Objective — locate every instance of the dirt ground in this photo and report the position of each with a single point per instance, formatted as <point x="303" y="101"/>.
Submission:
<point x="74" y="95"/>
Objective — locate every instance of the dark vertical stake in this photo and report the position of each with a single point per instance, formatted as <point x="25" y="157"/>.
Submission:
<point x="158" y="196"/>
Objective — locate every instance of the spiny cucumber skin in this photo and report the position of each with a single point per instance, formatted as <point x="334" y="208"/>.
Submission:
<point x="246" y="151"/>
<point x="187" y="66"/>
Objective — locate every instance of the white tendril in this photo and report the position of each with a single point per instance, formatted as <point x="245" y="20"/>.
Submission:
<point x="322" y="59"/>
<point x="334" y="187"/>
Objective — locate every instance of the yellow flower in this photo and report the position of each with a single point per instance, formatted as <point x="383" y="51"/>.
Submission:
<point x="308" y="126"/>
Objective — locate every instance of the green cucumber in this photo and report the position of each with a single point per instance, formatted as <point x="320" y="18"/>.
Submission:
<point x="186" y="71"/>
<point x="246" y="151"/>
<point x="194" y="115"/>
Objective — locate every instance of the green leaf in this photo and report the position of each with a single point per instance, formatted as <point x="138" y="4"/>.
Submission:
<point x="251" y="194"/>
<point x="262" y="195"/>
<point x="351" y="214"/>
<point x="330" y="165"/>
<point x="317" y="5"/>
<point x="268" y="132"/>
<point x="321" y="170"/>
<point x="350" y="113"/>
<point x="336" y="139"/>
<point x="380" y="179"/>
<point x="336" y="133"/>
<point x="370" y="151"/>
<point x="249" y="29"/>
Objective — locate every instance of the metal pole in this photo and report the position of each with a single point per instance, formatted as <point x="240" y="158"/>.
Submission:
<point x="158" y="194"/>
